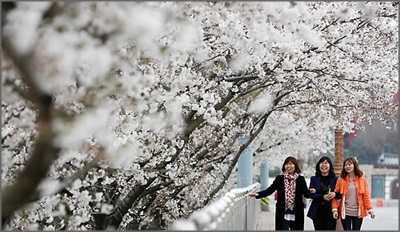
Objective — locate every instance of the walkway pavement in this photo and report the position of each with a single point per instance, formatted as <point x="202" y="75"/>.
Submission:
<point x="266" y="220"/>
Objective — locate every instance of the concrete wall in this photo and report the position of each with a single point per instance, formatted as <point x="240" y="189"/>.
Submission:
<point x="390" y="176"/>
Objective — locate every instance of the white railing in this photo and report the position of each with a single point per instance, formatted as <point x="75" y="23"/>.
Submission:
<point x="233" y="211"/>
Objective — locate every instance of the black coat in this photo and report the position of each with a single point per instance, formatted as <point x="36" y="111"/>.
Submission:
<point x="301" y="189"/>
<point x="318" y="197"/>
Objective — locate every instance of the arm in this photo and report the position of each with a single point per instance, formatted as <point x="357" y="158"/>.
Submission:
<point x="303" y="186"/>
<point x="367" y="199"/>
<point x="334" y="201"/>
<point x="313" y="185"/>
<point x="270" y="190"/>
<point x="266" y="192"/>
<point x="337" y="193"/>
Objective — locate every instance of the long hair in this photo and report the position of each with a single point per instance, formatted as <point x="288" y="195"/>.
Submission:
<point x="318" y="171"/>
<point x="297" y="168"/>
<point x="357" y="170"/>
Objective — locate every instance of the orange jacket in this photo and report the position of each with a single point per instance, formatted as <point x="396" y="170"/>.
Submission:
<point x="363" y="196"/>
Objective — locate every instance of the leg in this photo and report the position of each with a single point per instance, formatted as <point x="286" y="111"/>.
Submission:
<point x="330" y="224"/>
<point x="285" y="225"/>
<point x="323" y="219"/>
<point x="293" y="226"/>
<point x="346" y="223"/>
<point x="357" y="222"/>
<point x="318" y="222"/>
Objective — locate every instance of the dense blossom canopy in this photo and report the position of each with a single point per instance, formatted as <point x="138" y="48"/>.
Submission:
<point x="127" y="115"/>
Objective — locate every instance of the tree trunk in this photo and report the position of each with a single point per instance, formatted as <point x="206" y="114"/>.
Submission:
<point x="338" y="151"/>
<point x="338" y="162"/>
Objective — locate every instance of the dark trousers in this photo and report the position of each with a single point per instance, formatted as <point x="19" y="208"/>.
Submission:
<point x="324" y="223"/>
<point x="287" y="224"/>
<point x="352" y="223"/>
<point x="324" y="219"/>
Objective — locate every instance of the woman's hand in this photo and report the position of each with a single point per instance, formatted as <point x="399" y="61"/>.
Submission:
<point x="372" y="214"/>
<point x="335" y="214"/>
<point x="329" y="196"/>
<point x="252" y="194"/>
<point x="313" y="190"/>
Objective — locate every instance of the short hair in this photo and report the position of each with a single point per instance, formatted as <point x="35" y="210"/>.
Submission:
<point x="357" y="169"/>
<point x="297" y="168"/>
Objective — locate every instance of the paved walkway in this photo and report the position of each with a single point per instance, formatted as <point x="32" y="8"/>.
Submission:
<point x="266" y="220"/>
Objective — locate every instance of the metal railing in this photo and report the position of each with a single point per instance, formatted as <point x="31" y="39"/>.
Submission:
<point x="233" y="211"/>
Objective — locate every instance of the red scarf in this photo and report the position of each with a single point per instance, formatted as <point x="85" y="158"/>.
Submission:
<point x="290" y="189"/>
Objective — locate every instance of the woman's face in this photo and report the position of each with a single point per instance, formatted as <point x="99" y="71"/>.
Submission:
<point x="349" y="167"/>
<point x="289" y="167"/>
<point x="324" y="167"/>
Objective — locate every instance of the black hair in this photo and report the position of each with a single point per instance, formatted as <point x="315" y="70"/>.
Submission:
<point x="331" y="168"/>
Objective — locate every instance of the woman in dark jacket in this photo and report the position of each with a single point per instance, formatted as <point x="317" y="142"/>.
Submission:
<point x="290" y="187"/>
<point x="322" y="187"/>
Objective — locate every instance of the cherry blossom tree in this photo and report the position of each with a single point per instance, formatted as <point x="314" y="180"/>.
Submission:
<point x="127" y="115"/>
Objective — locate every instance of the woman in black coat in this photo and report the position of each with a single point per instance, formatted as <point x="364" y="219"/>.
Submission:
<point x="291" y="188"/>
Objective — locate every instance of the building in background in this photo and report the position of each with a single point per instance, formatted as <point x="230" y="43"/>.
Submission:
<point x="382" y="144"/>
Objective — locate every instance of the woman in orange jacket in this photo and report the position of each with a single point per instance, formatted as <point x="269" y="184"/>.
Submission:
<point x="355" y="203"/>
